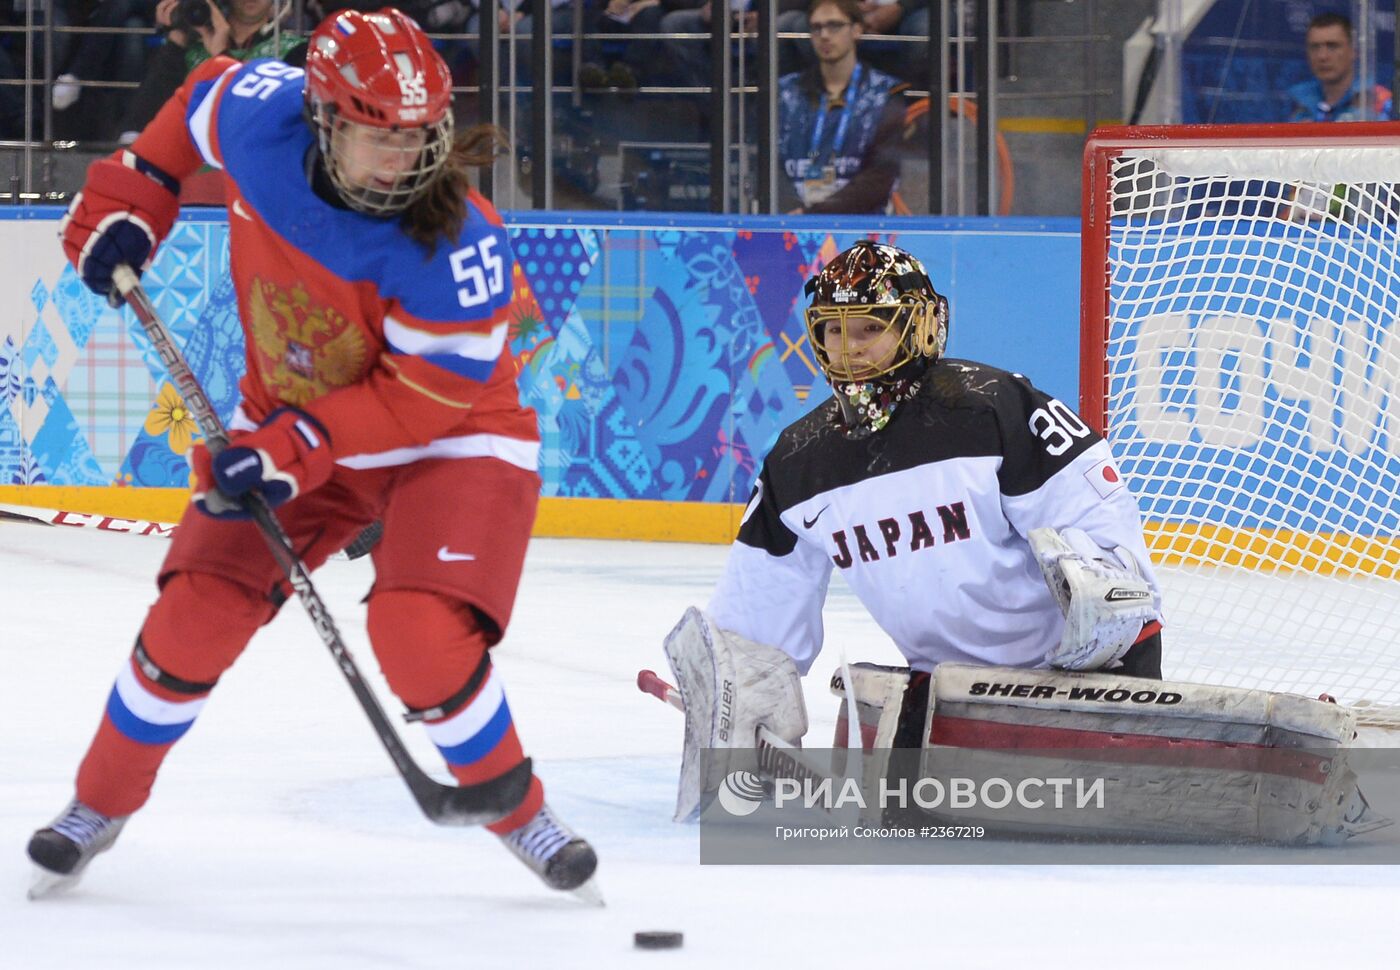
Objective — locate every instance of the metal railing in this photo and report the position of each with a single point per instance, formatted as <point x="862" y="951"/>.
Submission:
<point x="960" y="57"/>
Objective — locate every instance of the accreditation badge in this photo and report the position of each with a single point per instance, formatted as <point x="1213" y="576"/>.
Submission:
<point x="823" y="187"/>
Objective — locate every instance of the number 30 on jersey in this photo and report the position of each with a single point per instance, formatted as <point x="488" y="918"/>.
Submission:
<point x="482" y="271"/>
<point x="1057" y="426"/>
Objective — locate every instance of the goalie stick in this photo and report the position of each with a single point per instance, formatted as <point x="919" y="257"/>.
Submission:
<point x="442" y="804"/>
<point x="777" y="757"/>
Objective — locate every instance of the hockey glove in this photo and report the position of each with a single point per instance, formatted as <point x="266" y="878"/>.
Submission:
<point x="125" y="209"/>
<point x="1104" y="598"/>
<point x="288" y="455"/>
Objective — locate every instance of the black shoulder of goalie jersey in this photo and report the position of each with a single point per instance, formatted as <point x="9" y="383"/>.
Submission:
<point x="957" y="414"/>
<point x="1040" y="434"/>
<point x="1036" y="435"/>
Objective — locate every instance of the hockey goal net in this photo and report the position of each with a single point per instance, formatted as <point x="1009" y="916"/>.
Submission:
<point x="1240" y="352"/>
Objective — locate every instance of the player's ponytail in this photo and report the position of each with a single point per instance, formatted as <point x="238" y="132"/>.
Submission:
<point x="439" y="212"/>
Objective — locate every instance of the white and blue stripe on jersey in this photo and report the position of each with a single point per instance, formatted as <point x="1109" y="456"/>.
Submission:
<point x="471" y="355"/>
<point x="262" y="142"/>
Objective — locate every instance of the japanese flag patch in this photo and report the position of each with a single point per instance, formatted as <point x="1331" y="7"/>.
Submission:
<point x="1105" y="478"/>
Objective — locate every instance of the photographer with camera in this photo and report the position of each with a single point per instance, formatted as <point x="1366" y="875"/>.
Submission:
<point x="196" y="30"/>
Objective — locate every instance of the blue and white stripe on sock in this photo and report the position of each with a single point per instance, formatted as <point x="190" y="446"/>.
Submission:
<point x="144" y="716"/>
<point x="474" y="731"/>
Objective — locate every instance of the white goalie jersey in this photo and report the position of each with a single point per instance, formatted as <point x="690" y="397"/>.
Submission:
<point x="927" y="520"/>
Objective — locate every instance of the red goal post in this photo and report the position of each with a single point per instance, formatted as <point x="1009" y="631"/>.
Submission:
<point x="1240" y="352"/>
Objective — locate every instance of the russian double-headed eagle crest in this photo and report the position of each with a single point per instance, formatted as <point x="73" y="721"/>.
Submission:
<point x="305" y="350"/>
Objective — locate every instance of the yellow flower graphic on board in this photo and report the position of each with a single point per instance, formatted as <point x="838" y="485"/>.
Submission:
<point x="171" y="417"/>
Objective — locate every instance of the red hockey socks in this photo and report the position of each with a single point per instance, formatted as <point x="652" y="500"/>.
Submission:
<point x="195" y="630"/>
<point x="425" y="641"/>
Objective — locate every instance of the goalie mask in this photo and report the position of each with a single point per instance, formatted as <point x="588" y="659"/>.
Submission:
<point x="380" y="100"/>
<point x="876" y="324"/>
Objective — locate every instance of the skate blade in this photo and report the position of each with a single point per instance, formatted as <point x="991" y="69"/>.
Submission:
<point x="46" y="884"/>
<point x="589" y="893"/>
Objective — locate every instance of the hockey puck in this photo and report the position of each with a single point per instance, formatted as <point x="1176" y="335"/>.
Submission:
<point x="657" y="939"/>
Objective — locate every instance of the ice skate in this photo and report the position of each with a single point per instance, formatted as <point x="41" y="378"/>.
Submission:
<point x="62" y="851"/>
<point x="557" y="855"/>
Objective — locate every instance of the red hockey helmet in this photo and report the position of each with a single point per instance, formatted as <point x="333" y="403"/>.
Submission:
<point x="380" y="99"/>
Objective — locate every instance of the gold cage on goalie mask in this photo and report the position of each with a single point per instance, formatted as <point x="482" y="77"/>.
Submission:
<point x="917" y="326"/>
<point x="871" y="292"/>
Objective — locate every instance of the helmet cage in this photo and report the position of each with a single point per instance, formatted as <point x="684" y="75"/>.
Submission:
<point x="919" y="326"/>
<point x="387" y="189"/>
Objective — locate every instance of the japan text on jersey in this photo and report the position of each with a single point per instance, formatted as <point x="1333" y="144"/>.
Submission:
<point x="926" y="521"/>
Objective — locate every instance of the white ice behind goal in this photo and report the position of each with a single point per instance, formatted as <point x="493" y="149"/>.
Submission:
<point x="1240" y="352"/>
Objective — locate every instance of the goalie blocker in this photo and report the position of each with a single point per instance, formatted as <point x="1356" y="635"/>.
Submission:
<point x="1178" y="761"/>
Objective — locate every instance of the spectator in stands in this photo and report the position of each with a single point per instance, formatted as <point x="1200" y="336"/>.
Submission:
<point x="638" y="57"/>
<point x="242" y="29"/>
<point x="901" y="18"/>
<point x="101" y="56"/>
<point x="689" y="60"/>
<point x="890" y="17"/>
<point x="840" y="122"/>
<point x="1333" y="92"/>
<point x="515" y="15"/>
<point x="434" y="16"/>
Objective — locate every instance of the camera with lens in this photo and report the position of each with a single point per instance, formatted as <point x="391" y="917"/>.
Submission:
<point x="191" y="16"/>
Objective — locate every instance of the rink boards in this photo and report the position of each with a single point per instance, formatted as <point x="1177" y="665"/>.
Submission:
<point x="662" y="355"/>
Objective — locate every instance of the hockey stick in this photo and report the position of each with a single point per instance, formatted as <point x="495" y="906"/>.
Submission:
<point x="443" y="804"/>
<point x="364" y="543"/>
<point x="361" y="545"/>
<point x="777" y="757"/>
<point x="37" y="515"/>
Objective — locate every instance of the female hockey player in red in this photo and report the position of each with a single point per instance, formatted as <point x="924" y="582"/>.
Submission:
<point x="373" y="286"/>
<point x="977" y="519"/>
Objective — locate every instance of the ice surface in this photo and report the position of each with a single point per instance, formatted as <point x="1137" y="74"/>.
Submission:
<point x="278" y="836"/>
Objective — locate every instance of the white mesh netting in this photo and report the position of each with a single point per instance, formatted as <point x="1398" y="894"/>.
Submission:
<point x="1253" y="403"/>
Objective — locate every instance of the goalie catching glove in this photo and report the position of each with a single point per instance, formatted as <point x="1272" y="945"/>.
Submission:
<point x="125" y="210"/>
<point x="290" y="453"/>
<point x="1105" y="600"/>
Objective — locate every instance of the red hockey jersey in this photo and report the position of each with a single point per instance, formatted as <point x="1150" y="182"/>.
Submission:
<point x="400" y="352"/>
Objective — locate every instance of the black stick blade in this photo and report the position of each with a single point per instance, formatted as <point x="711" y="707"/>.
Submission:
<point x="479" y="804"/>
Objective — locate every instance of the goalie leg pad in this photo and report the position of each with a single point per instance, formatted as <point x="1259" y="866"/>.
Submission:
<point x="878" y="691"/>
<point x="1180" y="761"/>
<point x="881" y="696"/>
<point x="731" y="686"/>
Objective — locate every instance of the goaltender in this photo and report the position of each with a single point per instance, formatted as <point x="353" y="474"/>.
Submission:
<point x="981" y="522"/>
